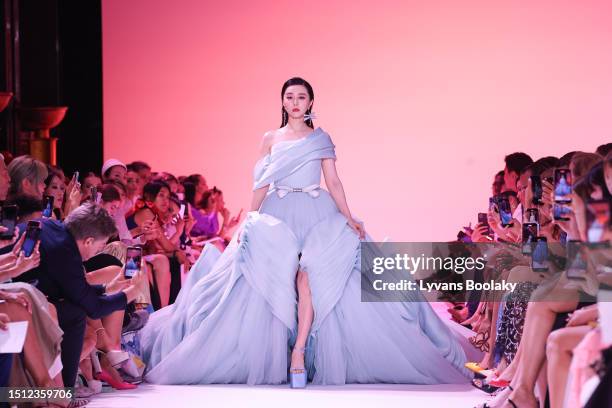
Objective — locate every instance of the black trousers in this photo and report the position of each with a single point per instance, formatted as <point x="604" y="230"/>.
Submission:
<point x="72" y="320"/>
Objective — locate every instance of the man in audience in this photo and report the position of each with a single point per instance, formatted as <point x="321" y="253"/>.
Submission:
<point x="61" y="277"/>
<point x="515" y="165"/>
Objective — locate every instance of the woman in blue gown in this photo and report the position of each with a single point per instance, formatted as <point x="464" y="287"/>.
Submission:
<point x="236" y="320"/>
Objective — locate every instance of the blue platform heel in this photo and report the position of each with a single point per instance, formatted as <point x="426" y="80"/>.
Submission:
<point x="298" y="377"/>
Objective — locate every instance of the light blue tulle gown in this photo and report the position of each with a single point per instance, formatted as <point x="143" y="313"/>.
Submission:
<point x="236" y="314"/>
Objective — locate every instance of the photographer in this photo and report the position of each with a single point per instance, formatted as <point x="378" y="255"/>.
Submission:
<point x="61" y="277"/>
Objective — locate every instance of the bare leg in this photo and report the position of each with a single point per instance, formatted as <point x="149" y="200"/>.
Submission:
<point x="305" y="316"/>
<point x="559" y="354"/>
<point x="488" y="360"/>
<point x="113" y="324"/>
<point x="31" y="347"/>
<point x="161" y="270"/>
<point x="102" y="276"/>
<point x="538" y="324"/>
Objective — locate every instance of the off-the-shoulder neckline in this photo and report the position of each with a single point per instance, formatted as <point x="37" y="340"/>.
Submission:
<point x="298" y="139"/>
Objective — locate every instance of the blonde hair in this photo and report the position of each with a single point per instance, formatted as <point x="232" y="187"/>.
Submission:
<point x="25" y="168"/>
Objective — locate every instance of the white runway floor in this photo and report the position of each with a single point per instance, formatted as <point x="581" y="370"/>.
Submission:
<point x="352" y="396"/>
<point x="235" y="396"/>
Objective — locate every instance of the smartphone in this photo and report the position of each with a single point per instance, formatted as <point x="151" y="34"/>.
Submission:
<point x="186" y="214"/>
<point x="576" y="265"/>
<point x="505" y="211"/>
<point x="482" y="219"/>
<point x="536" y="190"/>
<point x="530" y="233"/>
<point x="133" y="261"/>
<point x="532" y="215"/>
<point x="9" y="220"/>
<point x="182" y="211"/>
<point x="561" y="212"/>
<point x="563" y="186"/>
<point x="75" y="176"/>
<point x="492" y="203"/>
<point x="48" y="206"/>
<point x="32" y="237"/>
<point x="93" y="191"/>
<point x="598" y="219"/>
<point x="539" y="256"/>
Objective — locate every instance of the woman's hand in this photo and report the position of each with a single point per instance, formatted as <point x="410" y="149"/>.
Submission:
<point x="581" y="317"/>
<point x="4" y="319"/>
<point x="118" y="283"/>
<point x="73" y="196"/>
<point x="11" y="241"/>
<point x="18" y="298"/>
<point x="357" y="227"/>
<point x="480" y="234"/>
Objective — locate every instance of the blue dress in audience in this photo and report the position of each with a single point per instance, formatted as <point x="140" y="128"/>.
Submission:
<point x="235" y="317"/>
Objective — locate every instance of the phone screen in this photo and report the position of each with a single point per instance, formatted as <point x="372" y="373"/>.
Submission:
<point x="9" y="220"/>
<point x="598" y="220"/>
<point x="133" y="262"/>
<point x="505" y="211"/>
<point x="576" y="265"/>
<point x="530" y="233"/>
<point x="536" y="190"/>
<point x="563" y="186"/>
<point x="532" y="215"/>
<point x="482" y="219"/>
<point x="561" y="212"/>
<point x="539" y="257"/>
<point x="32" y="237"/>
<point x="48" y="206"/>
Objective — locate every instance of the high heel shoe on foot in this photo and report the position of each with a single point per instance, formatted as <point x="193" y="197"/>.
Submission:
<point x="106" y="377"/>
<point x="298" y="377"/>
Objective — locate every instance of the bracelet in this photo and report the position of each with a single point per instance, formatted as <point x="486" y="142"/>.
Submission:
<point x="98" y="329"/>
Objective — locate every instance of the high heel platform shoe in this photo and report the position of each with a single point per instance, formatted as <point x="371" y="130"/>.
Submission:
<point x="298" y="377"/>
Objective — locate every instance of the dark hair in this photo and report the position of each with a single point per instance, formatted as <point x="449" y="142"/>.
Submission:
<point x="90" y="220"/>
<point x="175" y="199"/>
<point x="110" y="193"/>
<point x="137" y="166"/>
<point x="52" y="172"/>
<point x="517" y="162"/>
<point x="205" y="197"/>
<point x="152" y="189"/>
<point x="193" y="178"/>
<point x="541" y="165"/>
<point x="26" y="205"/>
<point x="304" y="83"/>
<point x="566" y="159"/>
<point x="604" y="149"/>
<point x="190" y="191"/>
<point x="595" y="177"/>
<point x="90" y="174"/>
<point x="119" y="185"/>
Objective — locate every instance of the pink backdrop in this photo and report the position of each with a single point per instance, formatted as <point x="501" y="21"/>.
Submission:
<point x="423" y="99"/>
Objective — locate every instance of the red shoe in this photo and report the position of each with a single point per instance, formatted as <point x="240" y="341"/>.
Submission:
<point x="499" y="383"/>
<point x="118" y="385"/>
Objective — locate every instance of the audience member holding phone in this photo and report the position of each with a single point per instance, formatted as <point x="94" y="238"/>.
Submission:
<point x="60" y="276"/>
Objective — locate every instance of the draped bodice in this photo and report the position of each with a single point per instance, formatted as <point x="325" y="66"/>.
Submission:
<point x="295" y="163"/>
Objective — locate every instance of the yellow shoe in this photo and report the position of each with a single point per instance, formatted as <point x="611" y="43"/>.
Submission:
<point x="473" y="367"/>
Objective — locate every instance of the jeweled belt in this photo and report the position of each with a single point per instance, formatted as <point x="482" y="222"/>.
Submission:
<point x="312" y="190"/>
